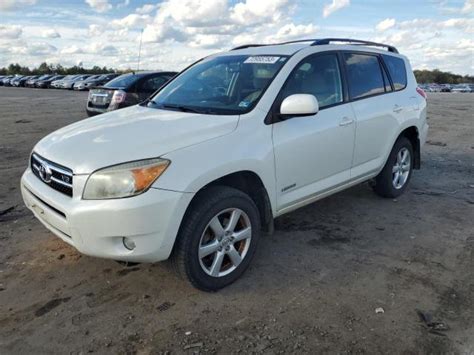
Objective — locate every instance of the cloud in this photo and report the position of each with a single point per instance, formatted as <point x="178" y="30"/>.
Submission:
<point x="7" y="5"/>
<point x="50" y="33"/>
<point x="95" y="30"/>
<point x="193" y="13"/>
<point x="207" y="41"/>
<point x="10" y="32"/>
<point x="291" y="31"/>
<point x="335" y="6"/>
<point x="132" y="20"/>
<point x="163" y="32"/>
<point x="72" y="50"/>
<point x="125" y="3"/>
<point x="41" y="48"/>
<point x="146" y="9"/>
<point x="259" y="11"/>
<point x="468" y="7"/>
<point x="99" y="5"/>
<point x="385" y="24"/>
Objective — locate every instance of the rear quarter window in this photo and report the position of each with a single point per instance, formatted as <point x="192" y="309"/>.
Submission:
<point x="397" y="70"/>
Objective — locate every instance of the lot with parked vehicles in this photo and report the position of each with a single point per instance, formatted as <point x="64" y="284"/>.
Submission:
<point x="313" y="286"/>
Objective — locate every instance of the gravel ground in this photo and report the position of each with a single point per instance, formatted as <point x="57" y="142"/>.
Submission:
<point x="314" y="285"/>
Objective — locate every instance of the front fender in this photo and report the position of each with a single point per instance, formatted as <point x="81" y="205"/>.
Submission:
<point x="196" y="166"/>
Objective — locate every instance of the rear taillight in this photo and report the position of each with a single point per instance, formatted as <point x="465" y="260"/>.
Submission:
<point x="421" y="92"/>
<point x="118" y="97"/>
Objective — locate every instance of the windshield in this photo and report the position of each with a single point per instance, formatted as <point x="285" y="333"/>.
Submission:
<point x="122" y="81"/>
<point x="221" y="85"/>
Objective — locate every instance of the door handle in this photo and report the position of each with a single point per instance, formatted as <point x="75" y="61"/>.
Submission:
<point x="346" y="121"/>
<point x="397" y="108"/>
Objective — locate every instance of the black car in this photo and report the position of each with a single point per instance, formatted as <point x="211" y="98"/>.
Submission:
<point x="125" y="90"/>
<point x="46" y="83"/>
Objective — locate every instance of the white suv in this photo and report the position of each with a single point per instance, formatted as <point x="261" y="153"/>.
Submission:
<point x="198" y="171"/>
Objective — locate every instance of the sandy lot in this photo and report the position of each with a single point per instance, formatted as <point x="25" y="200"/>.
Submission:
<point x="313" y="286"/>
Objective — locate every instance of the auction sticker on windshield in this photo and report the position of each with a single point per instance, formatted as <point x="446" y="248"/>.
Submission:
<point x="261" y="60"/>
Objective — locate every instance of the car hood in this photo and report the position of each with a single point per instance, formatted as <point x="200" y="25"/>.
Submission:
<point x="129" y="134"/>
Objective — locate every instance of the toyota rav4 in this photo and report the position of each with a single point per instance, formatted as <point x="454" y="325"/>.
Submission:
<point x="197" y="172"/>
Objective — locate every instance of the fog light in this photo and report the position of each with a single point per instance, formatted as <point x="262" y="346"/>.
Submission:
<point x="128" y="243"/>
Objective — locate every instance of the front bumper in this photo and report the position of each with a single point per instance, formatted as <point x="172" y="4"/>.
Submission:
<point x="97" y="227"/>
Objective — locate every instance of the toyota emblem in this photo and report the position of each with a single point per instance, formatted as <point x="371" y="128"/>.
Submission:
<point x="45" y="172"/>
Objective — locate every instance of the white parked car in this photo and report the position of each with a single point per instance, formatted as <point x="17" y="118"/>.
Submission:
<point x="197" y="172"/>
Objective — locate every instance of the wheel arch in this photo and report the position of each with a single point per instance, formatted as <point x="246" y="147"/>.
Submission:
<point x="412" y="134"/>
<point x="251" y="184"/>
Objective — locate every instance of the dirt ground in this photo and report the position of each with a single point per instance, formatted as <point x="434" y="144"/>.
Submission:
<point x="313" y="287"/>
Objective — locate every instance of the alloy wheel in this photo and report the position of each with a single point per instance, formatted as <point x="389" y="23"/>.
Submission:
<point x="225" y="242"/>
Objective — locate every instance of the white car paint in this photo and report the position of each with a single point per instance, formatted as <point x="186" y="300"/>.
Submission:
<point x="298" y="160"/>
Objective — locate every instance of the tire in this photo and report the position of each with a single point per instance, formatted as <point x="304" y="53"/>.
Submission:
<point x="219" y="202"/>
<point x="386" y="184"/>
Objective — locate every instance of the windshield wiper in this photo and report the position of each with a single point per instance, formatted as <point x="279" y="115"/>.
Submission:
<point x="180" y="108"/>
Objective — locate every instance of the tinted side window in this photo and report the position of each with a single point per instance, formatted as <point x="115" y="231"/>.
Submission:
<point x="318" y="76"/>
<point x="364" y="75"/>
<point x="153" y="84"/>
<point x="397" y="70"/>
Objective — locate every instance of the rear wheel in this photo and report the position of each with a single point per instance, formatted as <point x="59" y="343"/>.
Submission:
<point x="218" y="238"/>
<point x="394" y="177"/>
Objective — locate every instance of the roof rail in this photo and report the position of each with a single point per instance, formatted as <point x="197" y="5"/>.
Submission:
<point x="323" y="41"/>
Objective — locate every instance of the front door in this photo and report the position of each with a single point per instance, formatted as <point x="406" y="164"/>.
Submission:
<point x="313" y="154"/>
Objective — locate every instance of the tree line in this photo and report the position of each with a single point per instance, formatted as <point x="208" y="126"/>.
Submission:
<point x="440" y="77"/>
<point x="45" y="68"/>
<point x="422" y="76"/>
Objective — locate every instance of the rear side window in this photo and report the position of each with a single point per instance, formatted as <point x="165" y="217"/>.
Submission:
<point x="397" y="71"/>
<point x="319" y="76"/>
<point x="364" y="75"/>
<point x="153" y="84"/>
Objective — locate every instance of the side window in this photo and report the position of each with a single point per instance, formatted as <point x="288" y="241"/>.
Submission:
<point x="364" y="75"/>
<point x="153" y="84"/>
<point x="319" y="76"/>
<point x="397" y="70"/>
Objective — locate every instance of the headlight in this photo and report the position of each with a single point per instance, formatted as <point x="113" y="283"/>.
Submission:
<point x="124" y="180"/>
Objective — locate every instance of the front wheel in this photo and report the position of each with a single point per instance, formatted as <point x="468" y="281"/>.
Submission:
<point x="217" y="239"/>
<point x="394" y="177"/>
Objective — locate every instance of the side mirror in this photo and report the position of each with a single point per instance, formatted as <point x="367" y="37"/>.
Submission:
<point x="299" y="105"/>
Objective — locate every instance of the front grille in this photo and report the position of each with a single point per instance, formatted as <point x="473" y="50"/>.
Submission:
<point x="54" y="175"/>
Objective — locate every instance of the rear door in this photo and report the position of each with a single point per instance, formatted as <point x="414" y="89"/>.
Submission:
<point x="314" y="153"/>
<point x="375" y="108"/>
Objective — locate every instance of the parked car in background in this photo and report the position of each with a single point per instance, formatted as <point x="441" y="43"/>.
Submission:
<point x="16" y="80"/>
<point x="4" y="79"/>
<point x="22" y="81"/>
<point x="7" y="80"/>
<point x="446" y="88"/>
<point x="80" y="84"/>
<point x="57" y="83"/>
<point x="46" y="83"/>
<point x="93" y="82"/>
<point x="463" y="88"/>
<point x="125" y="90"/>
<point x="199" y="171"/>
<point x="31" y="82"/>
<point x="69" y="83"/>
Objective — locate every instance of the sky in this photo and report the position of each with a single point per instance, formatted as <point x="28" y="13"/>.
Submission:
<point x="432" y="33"/>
